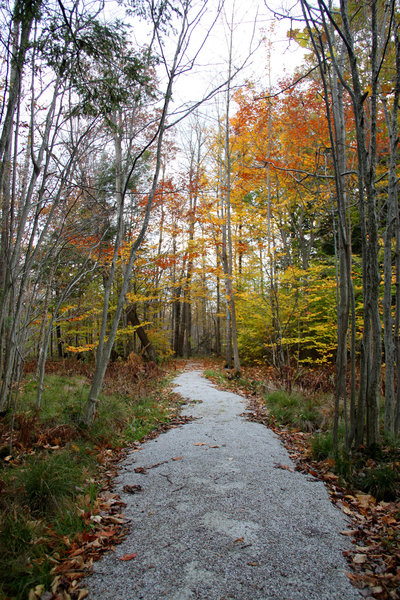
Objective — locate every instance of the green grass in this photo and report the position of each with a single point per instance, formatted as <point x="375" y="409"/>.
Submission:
<point x="381" y="481"/>
<point x="23" y="552"/>
<point x="48" y="480"/>
<point x="294" y="410"/>
<point x="322" y="445"/>
<point x="53" y="484"/>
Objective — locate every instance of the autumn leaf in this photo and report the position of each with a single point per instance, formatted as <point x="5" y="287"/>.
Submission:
<point x="132" y="489"/>
<point x="284" y="467"/>
<point x="359" y="559"/>
<point x="128" y="556"/>
<point x="200" y="444"/>
<point x="177" y="458"/>
<point x="141" y="470"/>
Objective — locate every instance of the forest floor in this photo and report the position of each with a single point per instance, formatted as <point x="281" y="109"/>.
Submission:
<point x="54" y="546"/>
<point x="374" y="555"/>
<point x="217" y="510"/>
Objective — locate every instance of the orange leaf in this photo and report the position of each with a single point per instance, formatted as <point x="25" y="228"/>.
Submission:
<point x="128" y="556"/>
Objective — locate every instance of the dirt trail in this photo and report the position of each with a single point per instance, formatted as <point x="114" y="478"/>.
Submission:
<point x="219" y="518"/>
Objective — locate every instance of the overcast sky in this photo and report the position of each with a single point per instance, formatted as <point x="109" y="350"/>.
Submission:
<point x="253" y="21"/>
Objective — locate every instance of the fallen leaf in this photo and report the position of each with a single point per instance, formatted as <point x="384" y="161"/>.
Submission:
<point x="177" y="458"/>
<point x="36" y="592"/>
<point x="157" y="464"/>
<point x="200" y="444"/>
<point x="96" y="518"/>
<point x="365" y="500"/>
<point x="378" y="589"/>
<point x="348" y="532"/>
<point x="253" y="564"/>
<point x="359" y="559"/>
<point x="132" y="489"/>
<point x="346" y="510"/>
<point x="285" y="467"/>
<point x="140" y="470"/>
<point x="214" y="446"/>
<point x="239" y="540"/>
<point x="128" y="556"/>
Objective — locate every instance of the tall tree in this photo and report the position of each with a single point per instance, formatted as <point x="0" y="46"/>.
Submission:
<point x="189" y="17"/>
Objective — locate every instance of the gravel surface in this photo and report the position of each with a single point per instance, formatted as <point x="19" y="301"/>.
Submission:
<point x="220" y="518"/>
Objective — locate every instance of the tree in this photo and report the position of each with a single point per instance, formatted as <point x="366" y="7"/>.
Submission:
<point x="361" y="79"/>
<point x="188" y="22"/>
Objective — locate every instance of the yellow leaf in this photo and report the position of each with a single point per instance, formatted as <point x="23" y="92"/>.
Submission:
<point x="359" y="559"/>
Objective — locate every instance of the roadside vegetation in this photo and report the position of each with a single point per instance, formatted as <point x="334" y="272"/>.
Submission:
<point x="55" y="474"/>
<point x="364" y="483"/>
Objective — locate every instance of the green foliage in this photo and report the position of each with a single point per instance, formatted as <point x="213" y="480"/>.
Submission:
<point x="294" y="410"/>
<point x="381" y="481"/>
<point x="49" y="490"/>
<point x="23" y="561"/>
<point x="322" y="445"/>
<point x="48" y="480"/>
<point x="344" y="466"/>
<point x="93" y="49"/>
<point x="304" y="303"/>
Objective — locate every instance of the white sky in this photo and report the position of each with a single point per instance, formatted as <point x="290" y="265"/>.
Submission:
<point x="252" y="21"/>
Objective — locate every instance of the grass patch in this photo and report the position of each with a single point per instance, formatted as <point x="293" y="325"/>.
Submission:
<point x="240" y="384"/>
<point x="322" y="445"/>
<point x="379" y="478"/>
<point x="48" y="480"/>
<point x="381" y="481"/>
<point x="51" y="478"/>
<point x="294" y="410"/>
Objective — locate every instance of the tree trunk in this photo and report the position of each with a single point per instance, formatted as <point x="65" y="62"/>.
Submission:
<point x="133" y="319"/>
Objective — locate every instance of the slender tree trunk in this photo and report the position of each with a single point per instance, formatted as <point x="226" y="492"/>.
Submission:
<point x="392" y="217"/>
<point x="227" y="258"/>
<point x="104" y="348"/>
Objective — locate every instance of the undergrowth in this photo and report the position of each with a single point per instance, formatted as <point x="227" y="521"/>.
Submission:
<point x="311" y="412"/>
<point x="53" y="475"/>
<point x="294" y="410"/>
<point x="377" y="476"/>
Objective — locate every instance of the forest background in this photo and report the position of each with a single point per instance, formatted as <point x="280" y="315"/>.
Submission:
<point x="169" y="190"/>
<point x="273" y="220"/>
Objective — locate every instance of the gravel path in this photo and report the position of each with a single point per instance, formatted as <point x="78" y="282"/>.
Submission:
<point x="218" y="519"/>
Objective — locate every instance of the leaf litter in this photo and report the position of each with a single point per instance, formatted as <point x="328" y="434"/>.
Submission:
<point x="375" y="558"/>
<point x="108" y="524"/>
